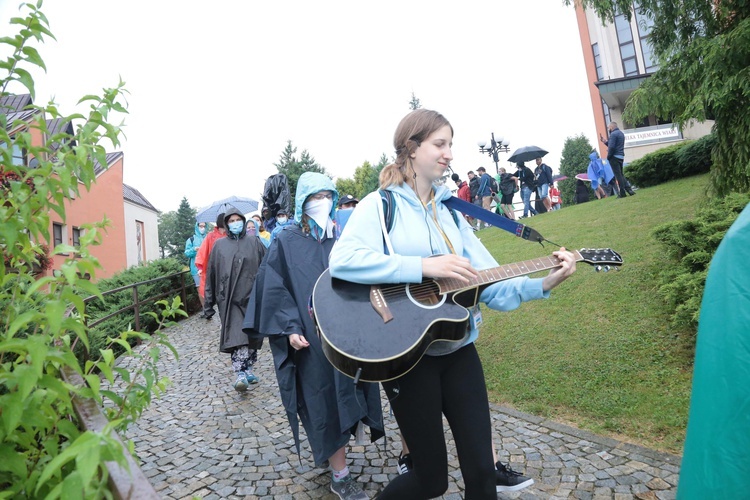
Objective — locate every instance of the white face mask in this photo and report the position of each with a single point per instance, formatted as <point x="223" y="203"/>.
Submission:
<point x="320" y="211"/>
<point x="282" y="220"/>
<point x="202" y="230"/>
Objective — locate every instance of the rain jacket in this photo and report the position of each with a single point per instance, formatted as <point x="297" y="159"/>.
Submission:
<point x="598" y="169"/>
<point x="327" y="403"/>
<point x="230" y="275"/>
<point x="714" y="463"/>
<point x="277" y="229"/>
<point x="265" y="238"/>
<point x="191" y="248"/>
<point x="204" y="252"/>
<point x="359" y="255"/>
<point x="464" y="192"/>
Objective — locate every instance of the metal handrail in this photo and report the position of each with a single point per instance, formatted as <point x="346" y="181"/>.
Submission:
<point x="136" y="302"/>
<point x="125" y="483"/>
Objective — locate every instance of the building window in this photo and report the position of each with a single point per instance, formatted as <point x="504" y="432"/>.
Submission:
<point x="627" y="47"/>
<point x="77" y="237"/>
<point x="645" y="23"/>
<point x="17" y="154"/>
<point x="139" y="235"/>
<point x="607" y="115"/>
<point x="597" y="62"/>
<point x="57" y="233"/>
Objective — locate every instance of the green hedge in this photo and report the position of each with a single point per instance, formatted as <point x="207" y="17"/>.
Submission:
<point x="118" y="300"/>
<point x="672" y="162"/>
<point x="691" y="244"/>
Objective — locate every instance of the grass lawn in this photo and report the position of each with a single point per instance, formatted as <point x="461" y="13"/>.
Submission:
<point x="600" y="353"/>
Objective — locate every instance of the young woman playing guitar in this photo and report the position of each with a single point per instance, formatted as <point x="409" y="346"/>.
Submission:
<point x="427" y="243"/>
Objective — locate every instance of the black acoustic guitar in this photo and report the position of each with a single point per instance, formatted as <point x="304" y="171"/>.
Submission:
<point x="376" y="333"/>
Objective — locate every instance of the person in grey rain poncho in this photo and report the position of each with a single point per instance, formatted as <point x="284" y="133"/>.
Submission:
<point x="230" y="275"/>
<point x="329" y="405"/>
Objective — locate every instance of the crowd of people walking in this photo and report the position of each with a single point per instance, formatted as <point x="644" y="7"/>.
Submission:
<point x="260" y="275"/>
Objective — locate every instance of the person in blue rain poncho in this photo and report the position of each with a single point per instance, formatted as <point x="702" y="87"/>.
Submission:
<point x="192" y="245"/>
<point x="428" y="243"/>
<point x="600" y="174"/>
<point x="327" y="403"/>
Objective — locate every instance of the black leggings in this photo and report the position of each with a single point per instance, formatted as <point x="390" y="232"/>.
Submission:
<point x="451" y="385"/>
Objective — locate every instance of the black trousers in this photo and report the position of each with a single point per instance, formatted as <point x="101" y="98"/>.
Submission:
<point x="616" y="164"/>
<point x="451" y="385"/>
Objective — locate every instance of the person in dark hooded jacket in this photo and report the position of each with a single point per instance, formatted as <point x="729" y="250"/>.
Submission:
<point x="329" y="405"/>
<point x="230" y="275"/>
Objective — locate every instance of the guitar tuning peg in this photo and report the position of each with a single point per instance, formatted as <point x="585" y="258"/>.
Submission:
<point x="606" y="269"/>
<point x="597" y="268"/>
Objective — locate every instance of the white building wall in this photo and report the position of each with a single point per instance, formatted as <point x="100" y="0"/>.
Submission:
<point x="150" y="236"/>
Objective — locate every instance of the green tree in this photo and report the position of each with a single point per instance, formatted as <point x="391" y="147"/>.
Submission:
<point x="703" y="49"/>
<point x="414" y="103"/>
<point x="184" y="228"/>
<point x="167" y="230"/>
<point x="383" y="162"/>
<point x="346" y="186"/>
<point x="365" y="179"/>
<point x="293" y="168"/>
<point x="574" y="160"/>
<point x="43" y="451"/>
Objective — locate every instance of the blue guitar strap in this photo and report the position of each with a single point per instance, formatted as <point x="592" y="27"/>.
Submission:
<point x="496" y="220"/>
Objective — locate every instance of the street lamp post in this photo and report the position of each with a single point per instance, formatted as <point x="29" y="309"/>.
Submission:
<point x="496" y="145"/>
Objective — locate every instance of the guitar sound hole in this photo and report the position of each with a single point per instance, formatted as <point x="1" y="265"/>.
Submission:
<point x="426" y="294"/>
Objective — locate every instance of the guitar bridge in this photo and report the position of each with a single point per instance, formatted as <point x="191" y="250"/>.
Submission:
<point x="379" y="304"/>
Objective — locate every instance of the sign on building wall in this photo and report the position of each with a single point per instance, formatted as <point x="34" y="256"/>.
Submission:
<point x="648" y="135"/>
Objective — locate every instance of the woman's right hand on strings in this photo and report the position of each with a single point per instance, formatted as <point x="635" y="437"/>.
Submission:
<point x="298" y="342"/>
<point x="448" y="266"/>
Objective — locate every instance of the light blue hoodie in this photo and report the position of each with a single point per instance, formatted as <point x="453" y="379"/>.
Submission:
<point x="359" y="255"/>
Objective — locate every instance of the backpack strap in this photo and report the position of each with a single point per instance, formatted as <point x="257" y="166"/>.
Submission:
<point x="389" y="210"/>
<point x="386" y="218"/>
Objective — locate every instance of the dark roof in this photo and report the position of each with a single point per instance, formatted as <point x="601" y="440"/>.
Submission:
<point x="133" y="195"/>
<point x="57" y="125"/>
<point x="60" y="125"/>
<point x="111" y="158"/>
<point x="11" y="103"/>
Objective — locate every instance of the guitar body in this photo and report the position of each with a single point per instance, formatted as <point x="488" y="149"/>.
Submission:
<point x="376" y="333"/>
<point x="361" y="344"/>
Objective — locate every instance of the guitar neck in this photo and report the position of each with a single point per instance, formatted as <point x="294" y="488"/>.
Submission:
<point x="501" y="273"/>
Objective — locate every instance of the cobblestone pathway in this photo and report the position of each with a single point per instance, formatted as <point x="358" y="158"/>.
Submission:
<point x="203" y="439"/>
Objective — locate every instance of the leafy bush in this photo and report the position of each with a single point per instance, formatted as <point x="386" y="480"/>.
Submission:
<point x="695" y="157"/>
<point x="692" y="244"/>
<point x="673" y="162"/>
<point x="43" y="453"/>
<point x="654" y="168"/>
<point x="124" y="321"/>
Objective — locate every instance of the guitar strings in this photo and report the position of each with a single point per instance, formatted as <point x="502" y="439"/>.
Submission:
<point x="433" y="287"/>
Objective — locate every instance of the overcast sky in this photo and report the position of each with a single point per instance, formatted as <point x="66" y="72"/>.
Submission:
<point x="217" y="88"/>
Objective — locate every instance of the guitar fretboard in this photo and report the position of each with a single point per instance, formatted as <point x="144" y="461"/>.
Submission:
<point x="500" y="273"/>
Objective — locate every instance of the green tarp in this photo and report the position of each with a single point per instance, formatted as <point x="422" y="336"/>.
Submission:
<point x="716" y="460"/>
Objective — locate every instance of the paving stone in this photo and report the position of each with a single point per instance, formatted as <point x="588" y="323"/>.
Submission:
<point x="202" y="439"/>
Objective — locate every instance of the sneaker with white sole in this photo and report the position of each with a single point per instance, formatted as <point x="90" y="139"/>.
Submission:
<point x="348" y="489"/>
<point x="404" y="464"/>
<point x="240" y="385"/>
<point x="510" y="480"/>
<point x="251" y="378"/>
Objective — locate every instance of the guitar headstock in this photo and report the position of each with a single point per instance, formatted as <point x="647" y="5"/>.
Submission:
<point x="600" y="257"/>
